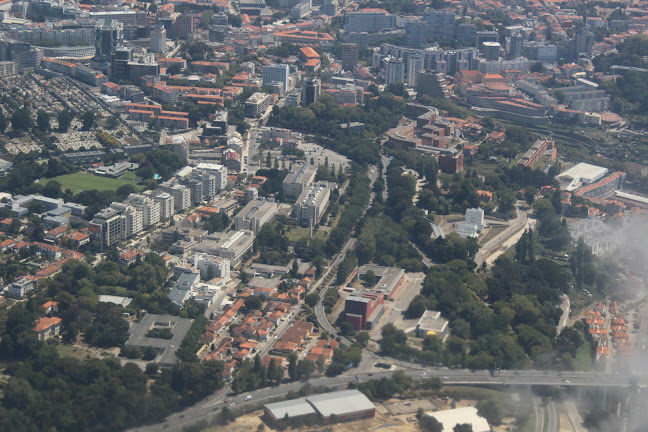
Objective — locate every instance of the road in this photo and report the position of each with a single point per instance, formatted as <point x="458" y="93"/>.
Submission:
<point x="538" y="409"/>
<point x="553" y="417"/>
<point x="207" y="409"/>
<point x="565" y="306"/>
<point x="515" y="227"/>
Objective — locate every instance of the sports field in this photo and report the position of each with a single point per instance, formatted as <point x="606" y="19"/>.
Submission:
<point x="79" y="182"/>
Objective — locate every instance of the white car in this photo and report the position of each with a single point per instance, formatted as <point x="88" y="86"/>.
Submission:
<point x="248" y="397"/>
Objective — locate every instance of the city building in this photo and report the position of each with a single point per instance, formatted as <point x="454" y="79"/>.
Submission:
<point x="449" y="163"/>
<point x="312" y="203"/>
<point x="416" y="33"/>
<point x="108" y="227"/>
<point x="185" y="26"/>
<point x="20" y="287"/>
<point x="134" y="218"/>
<point x="8" y="68"/>
<point x="394" y="70"/>
<point x="390" y="279"/>
<point x="350" y="56"/>
<point x="300" y="175"/>
<point x="473" y="224"/>
<point x="279" y="73"/>
<point x="181" y="196"/>
<point x="491" y="50"/>
<point x="432" y="84"/>
<point x="415" y="65"/>
<point x="257" y="104"/>
<point x="441" y="23"/>
<point x="537" y="149"/>
<point x="431" y="323"/>
<point x="158" y="39"/>
<point x="310" y="91"/>
<point x="255" y="214"/>
<point x="370" y="20"/>
<point x="231" y="245"/>
<point x="363" y="309"/>
<point x="149" y="207"/>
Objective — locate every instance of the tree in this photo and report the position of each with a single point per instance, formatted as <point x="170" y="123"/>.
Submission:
<point x="3" y="121"/>
<point x="43" y="120"/>
<point x="492" y="410"/>
<point x="292" y="366"/>
<point x="64" y="120"/>
<point x="21" y="120"/>
<point x="151" y="368"/>
<point x="113" y="120"/>
<point x="311" y="299"/>
<point x="463" y="427"/>
<point x="417" y="307"/>
<point x="370" y="278"/>
<point x="88" y="120"/>
<point x="430" y="424"/>
<point x="536" y="67"/>
<point x="153" y="8"/>
<point x="362" y="338"/>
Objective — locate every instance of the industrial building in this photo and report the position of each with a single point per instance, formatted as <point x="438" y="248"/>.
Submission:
<point x="432" y="323"/>
<point x="346" y="405"/>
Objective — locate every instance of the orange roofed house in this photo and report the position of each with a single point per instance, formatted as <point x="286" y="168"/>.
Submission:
<point x="46" y="328"/>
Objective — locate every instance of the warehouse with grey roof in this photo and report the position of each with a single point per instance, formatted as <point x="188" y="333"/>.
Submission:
<point x="346" y="405"/>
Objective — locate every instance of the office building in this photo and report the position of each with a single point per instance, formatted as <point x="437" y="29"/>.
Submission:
<point x="363" y="309"/>
<point x="276" y="73"/>
<point x="121" y="56"/>
<point x="370" y="20"/>
<point x="350" y="56"/>
<point x="255" y="214"/>
<point x="490" y="50"/>
<point x="312" y="203"/>
<point x="584" y="42"/>
<point x="158" y="39"/>
<point x="108" y="37"/>
<point x="516" y="45"/>
<point x="466" y="34"/>
<point x="311" y="88"/>
<point x="394" y="70"/>
<point x="300" y="175"/>
<point x="185" y="26"/>
<point x="441" y="23"/>
<point x="257" y="104"/>
<point x="485" y="36"/>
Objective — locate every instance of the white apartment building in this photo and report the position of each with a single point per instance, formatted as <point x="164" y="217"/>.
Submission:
<point x="149" y="207"/>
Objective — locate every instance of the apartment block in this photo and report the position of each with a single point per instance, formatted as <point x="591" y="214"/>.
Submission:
<point x="149" y="207"/>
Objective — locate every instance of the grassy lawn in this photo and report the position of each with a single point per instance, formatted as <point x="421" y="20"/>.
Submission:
<point x="79" y="182"/>
<point x="492" y="233"/>
<point x="298" y="232"/>
<point x="583" y="357"/>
